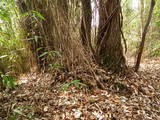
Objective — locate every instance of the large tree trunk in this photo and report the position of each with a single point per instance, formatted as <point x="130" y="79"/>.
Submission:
<point x="109" y="49"/>
<point x="38" y="31"/>
<point x="86" y="24"/>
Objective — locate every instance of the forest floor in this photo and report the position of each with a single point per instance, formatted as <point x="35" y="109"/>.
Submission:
<point x="133" y="97"/>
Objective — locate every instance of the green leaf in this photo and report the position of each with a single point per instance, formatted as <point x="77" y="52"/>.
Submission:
<point x="37" y="14"/>
<point x="8" y="81"/>
<point x="27" y="107"/>
<point x="43" y="54"/>
<point x="40" y="48"/>
<point x="13" y="118"/>
<point x="65" y="86"/>
<point x="3" y="56"/>
<point x="36" y="38"/>
<point x="76" y="83"/>
<point x="57" y="54"/>
<point x="24" y="14"/>
<point x="17" y="111"/>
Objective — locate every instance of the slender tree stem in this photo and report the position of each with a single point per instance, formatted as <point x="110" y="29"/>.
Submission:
<point x="141" y="47"/>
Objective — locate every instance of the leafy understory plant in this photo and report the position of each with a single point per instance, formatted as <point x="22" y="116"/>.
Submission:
<point x="49" y="53"/>
<point x="76" y="83"/>
<point x="8" y="81"/>
<point x="57" y="66"/>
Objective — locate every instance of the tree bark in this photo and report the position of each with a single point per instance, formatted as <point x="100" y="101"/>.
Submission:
<point x="86" y="24"/>
<point x="141" y="47"/>
<point x="109" y="51"/>
<point x="38" y="32"/>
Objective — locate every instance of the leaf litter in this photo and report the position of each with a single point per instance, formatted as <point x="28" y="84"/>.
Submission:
<point x="135" y="96"/>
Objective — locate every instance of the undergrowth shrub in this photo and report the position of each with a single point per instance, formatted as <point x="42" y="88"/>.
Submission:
<point x="12" y="49"/>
